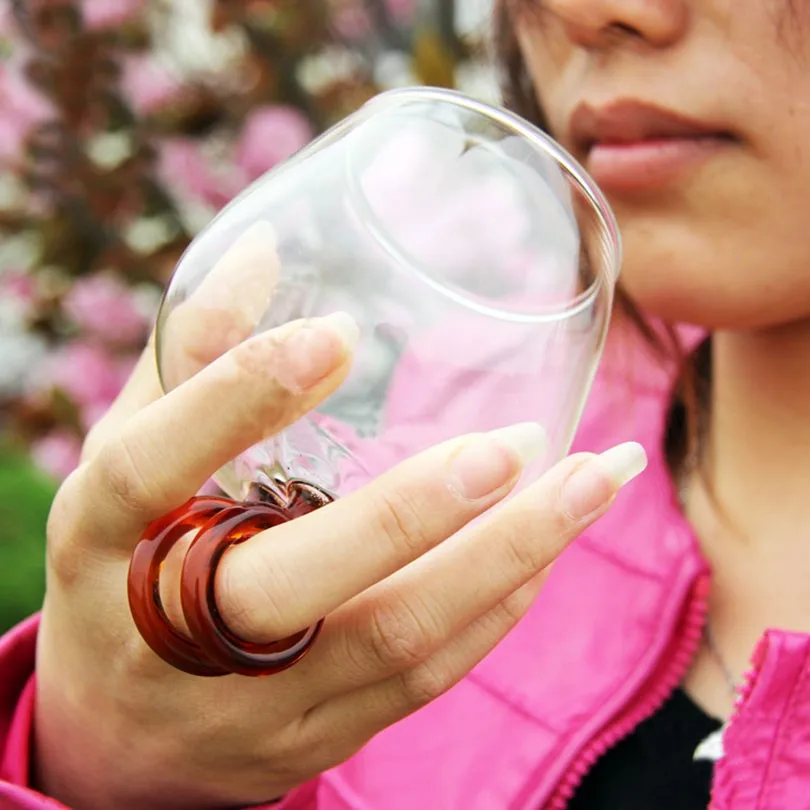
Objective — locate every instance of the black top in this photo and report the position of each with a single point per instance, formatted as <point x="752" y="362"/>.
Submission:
<point x="653" y="767"/>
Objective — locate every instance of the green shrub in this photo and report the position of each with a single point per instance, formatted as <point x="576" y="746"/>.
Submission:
<point x="25" y="498"/>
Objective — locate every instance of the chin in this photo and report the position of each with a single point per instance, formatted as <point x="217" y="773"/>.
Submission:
<point x="715" y="301"/>
<point x="681" y="271"/>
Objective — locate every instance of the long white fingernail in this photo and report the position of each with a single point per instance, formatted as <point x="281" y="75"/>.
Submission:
<point x="592" y="486"/>
<point x="624" y="462"/>
<point x="527" y="439"/>
<point x="345" y="327"/>
<point x="485" y="463"/>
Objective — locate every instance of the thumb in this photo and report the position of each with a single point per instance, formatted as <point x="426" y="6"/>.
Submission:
<point x="223" y="310"/>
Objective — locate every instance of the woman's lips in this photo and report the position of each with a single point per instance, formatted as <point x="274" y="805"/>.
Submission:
<point x="633" y="146"/>
<point x="648" y="164"/>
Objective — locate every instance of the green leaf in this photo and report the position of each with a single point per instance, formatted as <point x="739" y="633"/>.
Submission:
<point x="25" y="499"/>
<point x="433" y="62"/>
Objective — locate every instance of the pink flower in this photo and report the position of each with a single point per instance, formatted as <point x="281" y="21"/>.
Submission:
<point x="20" y="288"/>
<point x="351" y="21"/>
<point x="103" y="306"/>
<point x="8" y="26"/>
<point x="109" y="13"/>
<point x="271" y="135"/>
<point x="23" y="106"/>
<point x="402" y="11"/>
<point x="91" y="412"/>
<point x="58" y="453"/>
<point x="184" y="169"/>
<point x="88" y="375"/>
<point x="147" y="85"/>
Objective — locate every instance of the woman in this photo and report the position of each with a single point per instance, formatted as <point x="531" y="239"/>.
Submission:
<point x="628" y="657"/>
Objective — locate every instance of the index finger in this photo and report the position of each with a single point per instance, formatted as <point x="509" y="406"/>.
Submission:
<point x="166" y="452"/>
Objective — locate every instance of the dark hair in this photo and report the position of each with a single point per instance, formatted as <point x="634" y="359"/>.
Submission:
<point x="683" y="441"/>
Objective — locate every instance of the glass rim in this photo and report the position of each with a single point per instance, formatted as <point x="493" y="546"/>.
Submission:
<point x="539" y="140"/>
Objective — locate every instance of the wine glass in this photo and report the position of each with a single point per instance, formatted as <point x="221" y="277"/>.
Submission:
<point x="479" y="261"/>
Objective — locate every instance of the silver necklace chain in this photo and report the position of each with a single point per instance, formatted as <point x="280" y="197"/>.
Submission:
<point x="708" y="634"/>
<point x="728" y="675"/>
<point x="713" y="748"/>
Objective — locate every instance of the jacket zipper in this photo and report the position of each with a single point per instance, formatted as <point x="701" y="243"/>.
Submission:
<point x="747" y="686"/>
<point x="676" y="660"/>
<point x="750" y="678"/>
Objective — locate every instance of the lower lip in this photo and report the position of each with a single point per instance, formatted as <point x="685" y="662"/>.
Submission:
<point x="646" y="165"/>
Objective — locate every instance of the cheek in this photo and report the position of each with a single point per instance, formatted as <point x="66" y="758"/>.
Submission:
<point x="731" y="248"/>
<point x="552" y="63"/>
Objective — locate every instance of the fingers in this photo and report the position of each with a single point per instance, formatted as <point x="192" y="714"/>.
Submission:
<point x="220" y="313"/>
<point x="287" y="578"/>
<point x="423" y="645"/>
<point x="401" y="623"/>
<point x="363" y="712"/>
<point x="165" y="453"/>
<point x="224" y="308"/>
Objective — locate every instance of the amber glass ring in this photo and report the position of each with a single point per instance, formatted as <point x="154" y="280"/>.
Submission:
<point x="212" y="649"/>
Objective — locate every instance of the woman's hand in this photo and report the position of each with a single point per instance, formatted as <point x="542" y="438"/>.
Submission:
<point x="409" y="612"/>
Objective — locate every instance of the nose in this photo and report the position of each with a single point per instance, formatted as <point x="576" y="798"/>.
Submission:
<point x="595" y="24"/>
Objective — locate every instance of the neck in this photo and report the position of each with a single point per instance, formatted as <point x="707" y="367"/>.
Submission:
<point x="758" y="454"/>
<point x="753" y="520"/>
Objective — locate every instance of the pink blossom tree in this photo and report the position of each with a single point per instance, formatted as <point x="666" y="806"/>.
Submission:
<point x="126" y="125"/>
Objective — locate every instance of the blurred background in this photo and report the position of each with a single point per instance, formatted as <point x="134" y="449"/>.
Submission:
<point x="124" y="126"/>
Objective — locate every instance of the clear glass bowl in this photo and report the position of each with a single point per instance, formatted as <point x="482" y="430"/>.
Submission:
<point x="477" y="256"/>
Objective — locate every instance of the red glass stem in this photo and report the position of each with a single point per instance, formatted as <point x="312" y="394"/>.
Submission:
<point x="212" y="649"/>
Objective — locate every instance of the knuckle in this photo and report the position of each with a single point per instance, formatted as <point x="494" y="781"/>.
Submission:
<point x="259" y="360"/>
<point x="525" y="551"/>
<point x="535" y="534"/>
<point x="253" y="357"/>
<point x="288" y="750"/>
<point x="301" y="751"/>
<point x="123" y="479"/>
<point x="257" y="370"/>
<point x="424" y="683"/>
<point x="400" y="522"/>
<point x="512" y="609"/>
<point x="396" y="637"/>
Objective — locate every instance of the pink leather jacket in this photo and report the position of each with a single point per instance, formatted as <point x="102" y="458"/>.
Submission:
<point x="610" y="637"/>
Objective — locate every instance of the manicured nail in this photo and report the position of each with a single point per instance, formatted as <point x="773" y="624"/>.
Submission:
<point x="528" y="440"/>
<point x="344" y="326"/>
<point x="313" y="350"/>
<point x="624" y="462"/>
<point x="484" y="464"/>
<point x="592" y="487"/>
